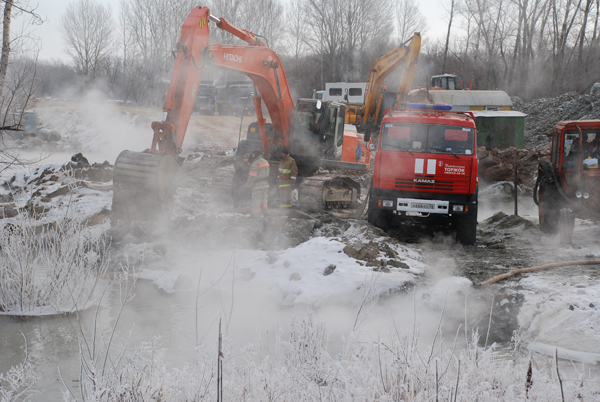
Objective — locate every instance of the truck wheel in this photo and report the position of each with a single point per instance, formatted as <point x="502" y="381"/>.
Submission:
<point x="466" y="228"/>
<point x="566" y="225"/>
<point x="548" y="208"/>
<point x="378" y="218"/>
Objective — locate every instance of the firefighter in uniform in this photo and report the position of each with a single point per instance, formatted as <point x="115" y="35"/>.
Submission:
<point x="257" y="181"/>
<point x="286" y="179"/>
<point x="242" y="167"/>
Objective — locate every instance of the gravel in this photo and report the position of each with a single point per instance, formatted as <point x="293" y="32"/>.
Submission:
<point x="544" y="113"/>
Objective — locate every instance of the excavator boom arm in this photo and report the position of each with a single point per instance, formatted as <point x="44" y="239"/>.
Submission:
<point x="181" y="95"/>
<point x="383" y="66"/>
<point x="243" y="34"/>
<point x="409" y="67"/>
<point x="263" y="66"/>
<point x="257" y="61"/>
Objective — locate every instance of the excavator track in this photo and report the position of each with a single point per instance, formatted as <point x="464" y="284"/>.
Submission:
<point x="143" y="186"/>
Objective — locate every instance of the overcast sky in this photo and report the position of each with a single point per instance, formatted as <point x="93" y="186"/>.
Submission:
<point x="53" y="46"/>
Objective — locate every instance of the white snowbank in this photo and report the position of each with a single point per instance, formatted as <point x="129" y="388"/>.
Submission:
<point x="562" y="313"/>
<point x="309" y="260"/>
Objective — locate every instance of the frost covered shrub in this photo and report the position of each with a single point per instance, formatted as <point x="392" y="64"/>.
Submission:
<point x="17" y="382"/>
<point x="49" y="269"/>
<point x="300" y="369"/>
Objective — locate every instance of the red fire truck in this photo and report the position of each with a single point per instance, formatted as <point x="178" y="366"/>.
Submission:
<point x="426" y="170"/>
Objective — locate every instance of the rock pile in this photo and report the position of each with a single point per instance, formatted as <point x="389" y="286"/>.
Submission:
<point x="544" y="113"/>
<point x="499" y="165"/>
<point x="379" y="255"/>
<point x="37" y="192"/>
<point x="365" y="243"/>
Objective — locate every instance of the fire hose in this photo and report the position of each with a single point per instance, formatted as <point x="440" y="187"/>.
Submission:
<point x="538" y="268"/>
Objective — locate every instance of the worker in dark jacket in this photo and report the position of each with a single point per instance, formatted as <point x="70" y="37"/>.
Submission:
<point x="286" y="179"/>
<point x="257" y="181"/>
<point x="239" y="193"/>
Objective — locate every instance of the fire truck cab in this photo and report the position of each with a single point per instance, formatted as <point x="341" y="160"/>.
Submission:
<point x="426" y="169"/>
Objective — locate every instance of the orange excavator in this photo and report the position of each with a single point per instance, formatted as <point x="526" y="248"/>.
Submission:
<point x="145" y="182"/>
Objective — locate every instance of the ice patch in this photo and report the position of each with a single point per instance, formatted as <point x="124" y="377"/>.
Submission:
<point x="162" y="279"/>
<point x="563" y="353"/>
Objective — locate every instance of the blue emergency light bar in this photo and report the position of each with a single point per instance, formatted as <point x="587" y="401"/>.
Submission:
<point x="429" y="106"/>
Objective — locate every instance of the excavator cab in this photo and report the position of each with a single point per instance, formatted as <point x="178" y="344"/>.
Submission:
<point x="317" y="131"/>
<point x="444" y="81"/>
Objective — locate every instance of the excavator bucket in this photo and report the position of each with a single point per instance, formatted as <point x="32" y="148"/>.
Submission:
<point x="143" y="186"/>
<point x="329" y="192"/>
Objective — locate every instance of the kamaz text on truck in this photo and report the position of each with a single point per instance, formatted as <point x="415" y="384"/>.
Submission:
<point x="426" y="169"/>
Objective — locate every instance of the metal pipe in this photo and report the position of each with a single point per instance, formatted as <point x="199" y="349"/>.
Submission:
<point x="215" y="19"/>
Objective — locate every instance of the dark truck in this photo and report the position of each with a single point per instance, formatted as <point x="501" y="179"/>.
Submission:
<point x="236" y="99"/>
<point x="206" y="99"/>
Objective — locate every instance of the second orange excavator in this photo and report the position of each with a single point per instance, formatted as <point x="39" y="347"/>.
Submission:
<point x="313" y="131"/>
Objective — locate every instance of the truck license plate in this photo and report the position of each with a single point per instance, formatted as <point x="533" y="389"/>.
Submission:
<point x="422" y="206"/>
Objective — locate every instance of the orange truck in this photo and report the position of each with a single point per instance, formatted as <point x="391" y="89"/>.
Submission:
<point x="568" y="183"/>
<point x="426" y="170"/>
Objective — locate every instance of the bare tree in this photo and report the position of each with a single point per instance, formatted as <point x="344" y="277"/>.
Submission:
<point x="13" y="9"/>
<point x="5" y="40"/>
<point x="365" y="32"/>
<point x="448" y="37"/>
<point x="493" y="29"/>
<point x="564" y="15"/>
<point x="294" y="38"/>
<point x="582" y="32"/>
<point x="231" y="10"/>
<point x="532" y="16"/>
<point x="409" y="19"/>
<point x="324" y="34"/>
<point x="265" y="18"/>
<point x="495" y="43"/>
<point x="21" y="82"/>
<point x="149" y="35"/>
<point x="88" y="32"/>
<point x="347" y="36"/>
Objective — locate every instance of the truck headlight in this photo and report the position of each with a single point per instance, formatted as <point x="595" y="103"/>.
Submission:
<point x="578" y="194"/>
<point x="458" y="208"/>
<point x="372" y="147"/>
<point x="586" y="195"/>
<point x="387" y="203"/>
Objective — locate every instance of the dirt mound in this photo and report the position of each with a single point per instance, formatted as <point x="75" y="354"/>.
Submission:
<point x="502" y="221"/>
<point x="499" y="165"/>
